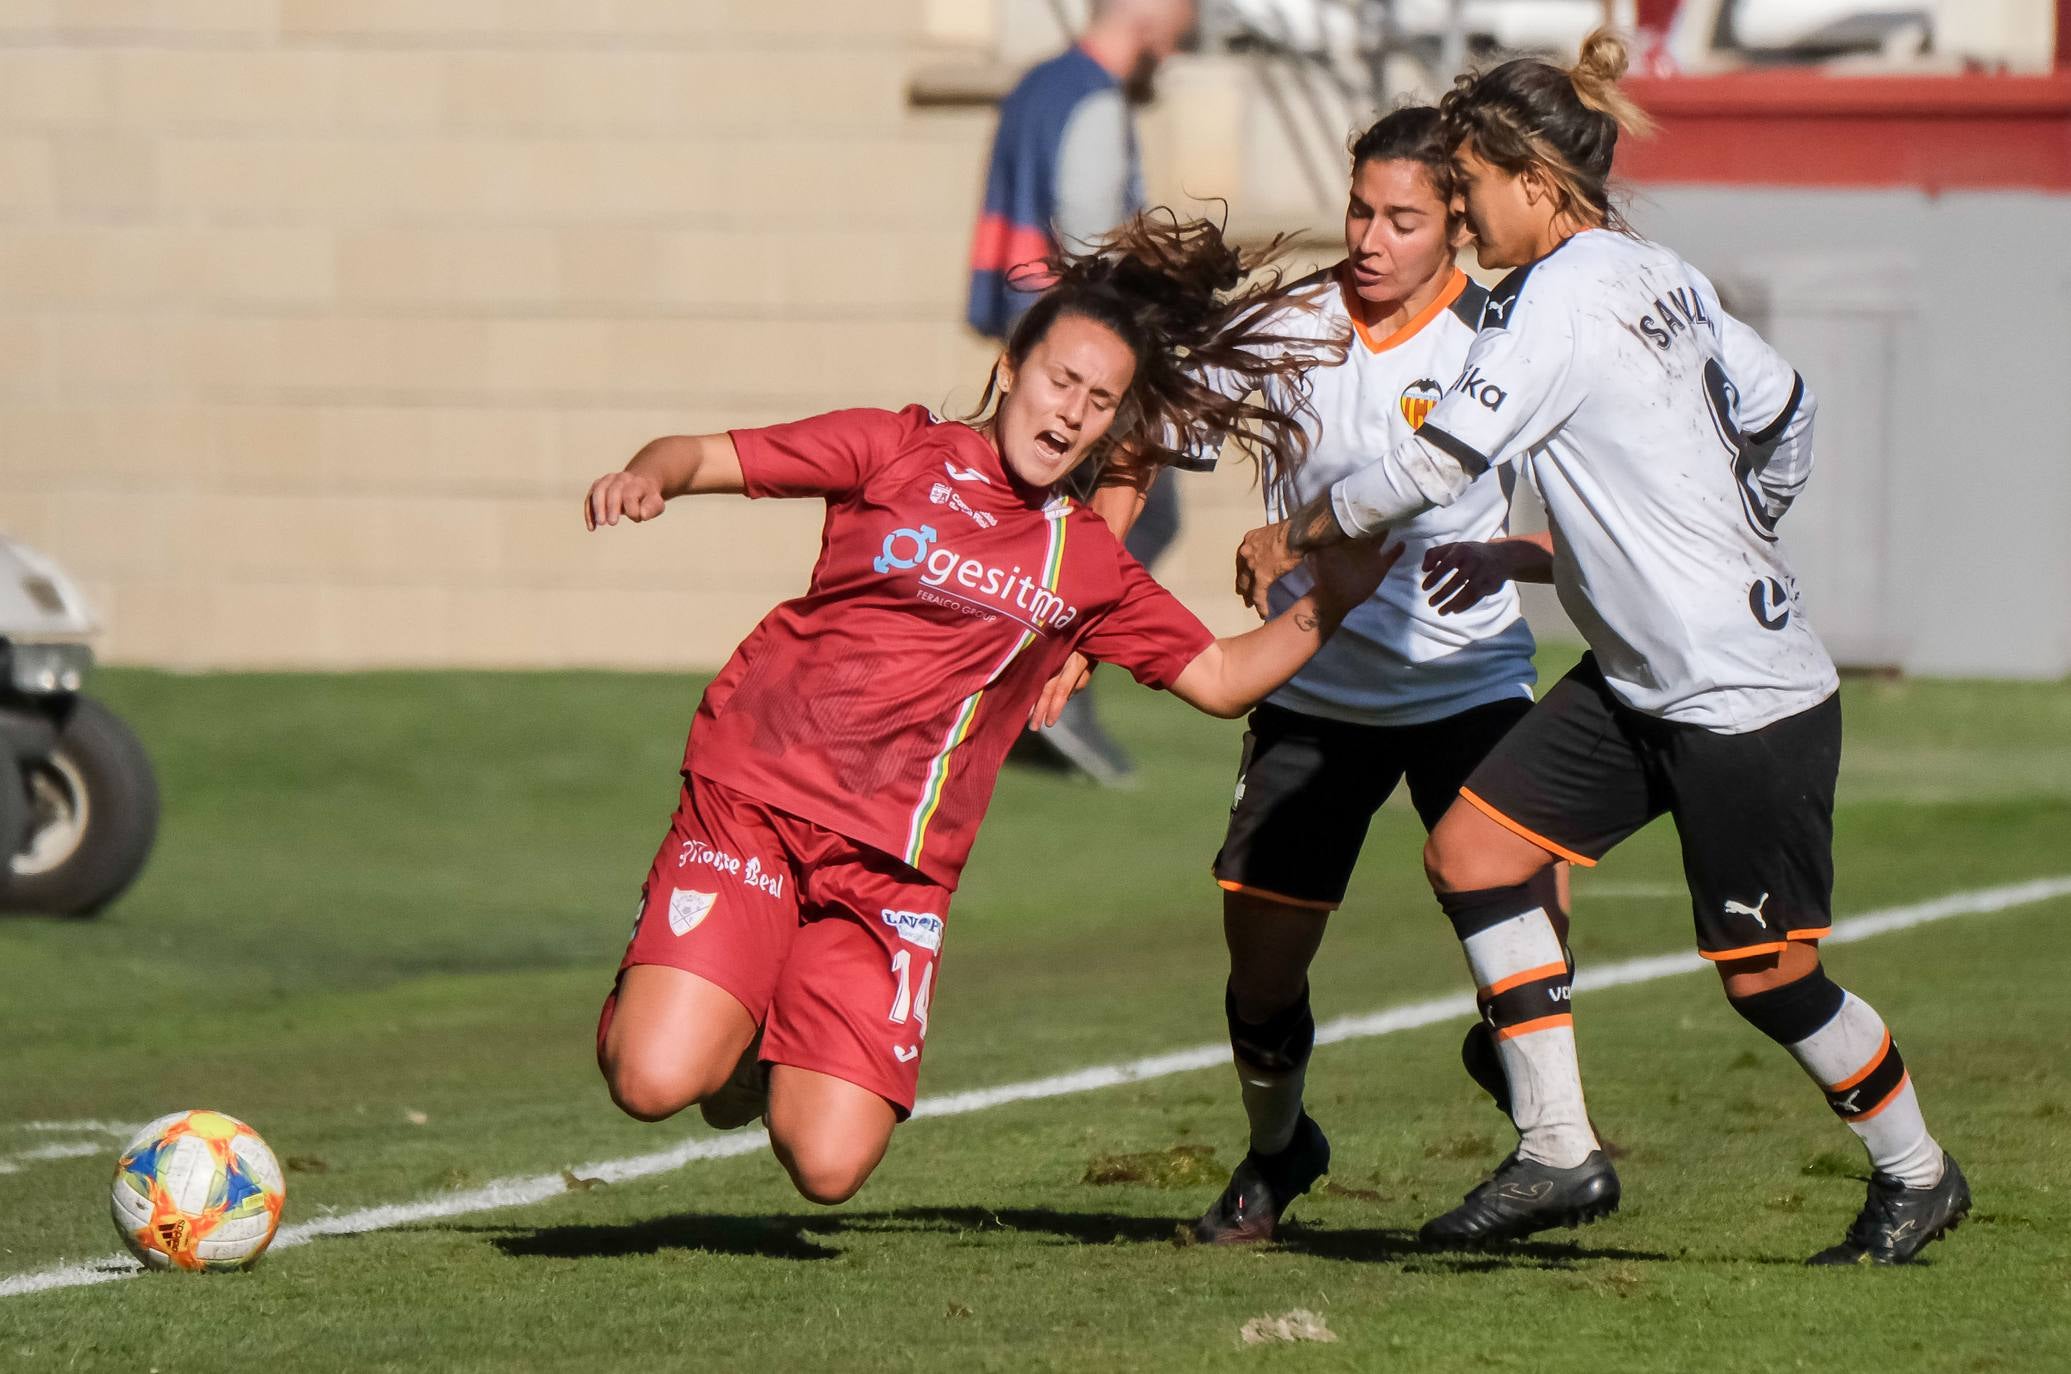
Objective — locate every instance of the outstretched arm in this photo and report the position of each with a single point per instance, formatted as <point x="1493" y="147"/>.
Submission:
<point x="1517" y="388"/>
<point x="1232" y="675"/>
<point x="1404" y="482"/>
<point x="678" y="465"/>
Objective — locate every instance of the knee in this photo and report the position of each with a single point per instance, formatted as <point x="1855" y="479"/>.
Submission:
<point x="1784" y="999"/>
<point x="1451" y="862"/>
<point x="1437" y="864"/>
<point x="1751" y="977"/>
<point x="1468" y="852"/>
<point x="649" y="1091"/>
<point x="1253" y="999"/>
<point x="1271" y="946"/>
<point x="825" y="1171"/>
<point x="645" y="1097"/>
<point x="1453" y="866"/>
<point x="1276" y="1040"/>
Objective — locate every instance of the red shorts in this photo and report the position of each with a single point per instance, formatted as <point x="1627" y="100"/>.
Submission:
<point x="830" y="945"/>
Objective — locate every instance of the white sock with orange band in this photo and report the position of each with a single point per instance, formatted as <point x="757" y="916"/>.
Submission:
<point x="1522" y="984"/>
<point x="1841" y="1041"/>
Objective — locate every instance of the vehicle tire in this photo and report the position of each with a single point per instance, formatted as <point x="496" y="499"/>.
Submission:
<point x="93" y="813"/>
<point x="14" y="803"/>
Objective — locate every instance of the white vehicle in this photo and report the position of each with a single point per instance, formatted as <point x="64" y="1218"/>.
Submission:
<point x="78" y="802"/>
<point x="1332" y="26"/>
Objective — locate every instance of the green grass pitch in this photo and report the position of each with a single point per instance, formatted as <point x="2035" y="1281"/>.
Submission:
<point x="384" y="909"/>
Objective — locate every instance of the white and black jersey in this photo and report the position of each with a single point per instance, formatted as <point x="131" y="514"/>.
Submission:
<point x="1394" y="661"/>
<point x="1666" y="438"/>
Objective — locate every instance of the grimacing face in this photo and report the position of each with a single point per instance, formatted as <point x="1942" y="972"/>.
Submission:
<point x="1505" y="211"/>
<point x="1062" y="398"/>
<point x="1397" y="235"/>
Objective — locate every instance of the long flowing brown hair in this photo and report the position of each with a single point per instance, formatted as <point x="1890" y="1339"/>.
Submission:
<point x="1186" y="302"/>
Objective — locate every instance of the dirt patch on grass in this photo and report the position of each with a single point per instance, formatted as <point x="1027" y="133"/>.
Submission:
<point x="1459" y="1147"/>
<point x="1330" y="1187"/>
<point x="1182" y="1166"/>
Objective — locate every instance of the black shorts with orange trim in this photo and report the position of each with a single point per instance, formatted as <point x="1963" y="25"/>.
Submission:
<point x="1754" y="811"/>
<point x="1307" y="789"/>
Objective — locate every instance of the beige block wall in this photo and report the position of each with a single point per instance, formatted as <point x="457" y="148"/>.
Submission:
<point x="318" y="316"/>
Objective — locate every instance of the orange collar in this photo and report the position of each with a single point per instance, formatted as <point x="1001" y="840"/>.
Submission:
<point x="1444" y="298"/>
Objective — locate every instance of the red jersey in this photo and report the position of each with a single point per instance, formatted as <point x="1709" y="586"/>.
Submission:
<point x="882" y="703"/>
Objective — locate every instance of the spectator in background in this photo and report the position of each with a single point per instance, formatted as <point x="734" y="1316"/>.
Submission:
<point x="1064" y="171"/>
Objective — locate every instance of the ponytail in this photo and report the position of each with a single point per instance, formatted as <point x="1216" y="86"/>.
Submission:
<point x="1595" y="75"/>
<point x="1563" y="122"/>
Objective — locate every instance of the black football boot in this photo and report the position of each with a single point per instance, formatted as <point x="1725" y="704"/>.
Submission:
<point x="1523" y="1197"/>
<point x="1263" y="1187"/>
<point x="1897" y="1222"/>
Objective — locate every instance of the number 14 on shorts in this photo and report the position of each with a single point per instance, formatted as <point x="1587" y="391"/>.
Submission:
<point x="910" y="1003"/>
<point x="915" y="946"/>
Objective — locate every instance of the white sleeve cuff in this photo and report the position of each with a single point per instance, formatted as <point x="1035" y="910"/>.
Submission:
<point x="1409" y="480"/>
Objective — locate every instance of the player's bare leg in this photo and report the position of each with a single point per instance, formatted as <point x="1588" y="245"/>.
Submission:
<point x="1271" y="946"/>
<point x="1469" y="852"/>
<point x="673" y="1039"/>
<point x="828" y="1132"/>
<point x="1917" y="1193"/>
<point x="1272" y="1030"/>
<point x="1500" y="893"/>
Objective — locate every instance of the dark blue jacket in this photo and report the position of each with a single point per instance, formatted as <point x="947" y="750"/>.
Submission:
<point x="1014" y="227"/>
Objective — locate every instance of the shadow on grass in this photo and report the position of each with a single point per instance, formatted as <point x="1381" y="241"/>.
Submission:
<point x="793" y="1235"/>
<point x="1383" y="1245"/>
<point x="770" y="1237"/>
<point x="808" y="1236"/>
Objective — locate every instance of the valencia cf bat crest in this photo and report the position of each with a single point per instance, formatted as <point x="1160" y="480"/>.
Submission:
<point x="1418" y="398"/>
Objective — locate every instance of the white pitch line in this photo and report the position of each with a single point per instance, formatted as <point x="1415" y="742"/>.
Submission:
<point x="521" y="1192"/>
<point x="64" y="1149"/>
<point x="78" y="1127"/>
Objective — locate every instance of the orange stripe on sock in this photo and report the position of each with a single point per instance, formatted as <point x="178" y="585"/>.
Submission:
<point x="1542" y="1023"/>
<point x="1303" y="902"/>
<point x="1530" y="975"/>
<point x="1523" y="833"/>
<point x="1889" y="1098"/>
<point x="1864" y="1072"/>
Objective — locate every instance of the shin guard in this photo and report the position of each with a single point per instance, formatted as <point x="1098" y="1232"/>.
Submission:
<point x="1523" y="984"/>
<point x="1272" y="1065"/>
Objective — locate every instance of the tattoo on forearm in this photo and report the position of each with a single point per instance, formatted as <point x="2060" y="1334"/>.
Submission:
<point x="1307" y="621"/>
<point x="1314" y="526"/>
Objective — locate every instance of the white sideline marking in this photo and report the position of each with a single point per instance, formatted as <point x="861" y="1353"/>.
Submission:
<point x="64" y="1149"/>
<point x="519" y="1192"/>
<point x="80" y="1127"/>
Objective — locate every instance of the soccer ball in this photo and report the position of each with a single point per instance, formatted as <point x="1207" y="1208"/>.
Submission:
<point x="197" y="1190"/>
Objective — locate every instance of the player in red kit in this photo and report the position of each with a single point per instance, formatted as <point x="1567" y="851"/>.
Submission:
<point x="839" y="765"/>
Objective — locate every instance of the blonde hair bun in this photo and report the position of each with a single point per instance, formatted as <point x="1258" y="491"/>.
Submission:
<point x="1598" y="67"/>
